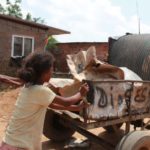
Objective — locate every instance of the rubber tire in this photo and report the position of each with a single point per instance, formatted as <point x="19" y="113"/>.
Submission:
<point x="110" y="129"/>
<point x="53" y="129"/>
<point x="135" y="140"/>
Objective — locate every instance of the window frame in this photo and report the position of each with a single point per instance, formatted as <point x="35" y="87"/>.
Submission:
<point x="23" y="38"/>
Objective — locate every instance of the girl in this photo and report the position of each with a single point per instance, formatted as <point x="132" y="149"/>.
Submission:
<point x="26" y="124"/>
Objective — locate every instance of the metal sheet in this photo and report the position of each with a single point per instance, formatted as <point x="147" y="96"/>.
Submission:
<point x="132" y="51"/>
<point x="114" y="99"/>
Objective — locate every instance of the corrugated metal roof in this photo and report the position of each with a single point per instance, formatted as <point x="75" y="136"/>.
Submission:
<point x="51" y="30"/>
<point x="132" y="51"/>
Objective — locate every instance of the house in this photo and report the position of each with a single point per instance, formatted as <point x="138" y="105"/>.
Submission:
<point x="18" y="38"/>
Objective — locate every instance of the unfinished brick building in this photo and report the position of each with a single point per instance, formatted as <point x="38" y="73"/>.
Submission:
<point x="75" y="47"/>
<point x="18" y="38"/>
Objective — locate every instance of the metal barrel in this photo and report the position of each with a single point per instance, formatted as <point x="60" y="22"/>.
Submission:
<point x="131" y="51"/>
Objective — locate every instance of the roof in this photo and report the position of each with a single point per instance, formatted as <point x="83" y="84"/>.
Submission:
<point x="50" y="30"/>
<point x="83" y="43"/>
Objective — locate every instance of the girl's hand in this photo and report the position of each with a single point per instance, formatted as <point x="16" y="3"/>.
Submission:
<point x="84" y="89"/>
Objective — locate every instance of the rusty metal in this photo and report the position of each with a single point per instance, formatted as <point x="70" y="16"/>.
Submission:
<point x="100" y="123"/>
<point x="127" y="128"/>
<point x="76" y="122"/>
<point x="118" y="81"/>
<point x="83" y="128"/>
<point x="79" y="128"/>
<point x="133" y="95"/>
<point x="96" y="124"/>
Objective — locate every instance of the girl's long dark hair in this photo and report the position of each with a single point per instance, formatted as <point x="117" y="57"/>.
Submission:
<point x="34" y="65"/>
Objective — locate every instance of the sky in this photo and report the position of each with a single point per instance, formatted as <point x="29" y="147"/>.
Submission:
<point x="91" y="20"/>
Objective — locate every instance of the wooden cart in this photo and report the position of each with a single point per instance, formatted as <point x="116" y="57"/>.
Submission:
<point x="135" y="95"/>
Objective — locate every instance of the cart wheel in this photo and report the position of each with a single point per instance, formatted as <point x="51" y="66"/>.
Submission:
<point x="136" y="140"/>
<point x="110" y="129"/>
<point x="53" y="129"/>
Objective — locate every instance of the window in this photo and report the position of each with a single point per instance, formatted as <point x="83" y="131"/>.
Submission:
<point x="22" y="46"/>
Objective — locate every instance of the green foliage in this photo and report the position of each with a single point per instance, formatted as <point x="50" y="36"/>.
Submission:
<point x="38" y="20"/>
<point x="28" y="17"/>
<point x="2" y="10"/>
<point x="51" y="45"/>
<point x="14" y="9"/>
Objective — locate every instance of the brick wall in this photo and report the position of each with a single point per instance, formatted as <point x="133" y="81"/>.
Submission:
<point x="72" y="48"/>
<point x="7" y="29"/>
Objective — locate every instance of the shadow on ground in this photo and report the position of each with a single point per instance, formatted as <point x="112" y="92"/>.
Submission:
<point x="113" y="138"/>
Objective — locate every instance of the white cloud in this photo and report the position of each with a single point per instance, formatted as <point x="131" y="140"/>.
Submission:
<point x="87" y="20"/>
<point x="3" y="2"/>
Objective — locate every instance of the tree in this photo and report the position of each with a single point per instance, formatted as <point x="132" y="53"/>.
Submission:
<point x="38" y="19"/>
<point x="14" y="9"/>
<point x="51" y="42"/>
<point x="2" y="10"/>
<point x="28" y="17"/>
<point x="51" y="45"/>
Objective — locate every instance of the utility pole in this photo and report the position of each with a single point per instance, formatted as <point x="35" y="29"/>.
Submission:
<point x="138" y="16"/>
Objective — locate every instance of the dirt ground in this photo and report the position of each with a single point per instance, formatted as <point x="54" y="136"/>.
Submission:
<point x="7" y="101"/>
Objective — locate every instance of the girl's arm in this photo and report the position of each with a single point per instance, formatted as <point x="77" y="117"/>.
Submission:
<point x="70" y="108"/>
<point x="67" y="101"/>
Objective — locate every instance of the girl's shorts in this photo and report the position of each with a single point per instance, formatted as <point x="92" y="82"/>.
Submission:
<point x="4" y="146"/>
